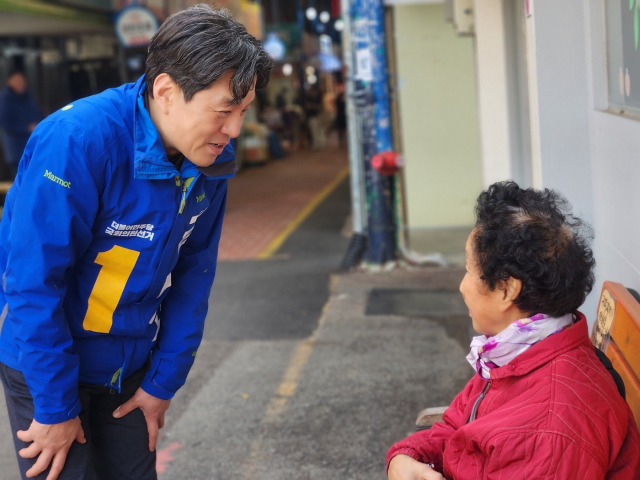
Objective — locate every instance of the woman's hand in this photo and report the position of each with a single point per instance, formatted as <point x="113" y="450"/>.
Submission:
<point x="403" y="467"/>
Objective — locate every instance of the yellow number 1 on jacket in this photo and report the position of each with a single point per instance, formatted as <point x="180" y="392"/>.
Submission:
<point x="117" y="265"/>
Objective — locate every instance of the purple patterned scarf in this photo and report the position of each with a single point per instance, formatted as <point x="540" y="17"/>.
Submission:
<point x="496" y="351"/>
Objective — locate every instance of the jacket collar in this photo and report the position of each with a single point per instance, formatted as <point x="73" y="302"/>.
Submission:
<point x="546" y="350"/>
<point x="150" y="158"/>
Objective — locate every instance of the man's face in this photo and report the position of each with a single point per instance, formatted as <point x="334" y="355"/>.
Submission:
<point x="17" y="83"/>
<point x="202" y="127"/>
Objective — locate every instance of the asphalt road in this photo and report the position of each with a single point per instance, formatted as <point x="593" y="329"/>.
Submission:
<point x="282" y="297"/>
<point x="272" y="300"/>
<point x="296" y="381"/>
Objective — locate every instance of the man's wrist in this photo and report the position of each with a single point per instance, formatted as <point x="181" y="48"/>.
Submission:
<point x="51" y="418"/>
<point x="152" y="388"/>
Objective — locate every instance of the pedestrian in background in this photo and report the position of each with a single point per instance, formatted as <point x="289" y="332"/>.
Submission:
<point x="19" y="115"/>
<point x="341" y="116"/>
<point x="281" y="99"/>
<point x="272" y="118"/>
<point x="315" y="120"/>
<point x="108" y="249"/>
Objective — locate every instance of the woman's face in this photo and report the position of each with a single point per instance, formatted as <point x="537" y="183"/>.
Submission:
<point x="486" y="307"/>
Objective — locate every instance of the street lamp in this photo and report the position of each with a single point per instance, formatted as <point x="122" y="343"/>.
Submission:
<point x="311" y="13"/>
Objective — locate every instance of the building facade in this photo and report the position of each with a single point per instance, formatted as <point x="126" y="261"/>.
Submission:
<point x="555" y="103"/>
<point x="559" y="93"/>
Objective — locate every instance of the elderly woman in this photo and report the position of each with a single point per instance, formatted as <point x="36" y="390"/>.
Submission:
<point x="541" y="405"/>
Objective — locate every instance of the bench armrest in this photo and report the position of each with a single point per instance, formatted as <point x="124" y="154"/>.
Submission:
<point x="429" y="416"/>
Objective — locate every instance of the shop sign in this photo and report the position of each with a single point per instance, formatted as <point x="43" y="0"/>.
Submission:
<point x="364" y="68"/>
<point x="135" y="26"/>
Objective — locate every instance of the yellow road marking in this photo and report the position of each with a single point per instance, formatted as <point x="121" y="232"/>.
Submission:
<point x="285" y="391"/>
<point x="290" y="379"/>
<point x="279" y="403"/>
<point x="277" y="242"/>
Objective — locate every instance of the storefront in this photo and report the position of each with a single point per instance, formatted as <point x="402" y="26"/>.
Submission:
<point x="75" y="48"/>
<point x="65" y="52"/>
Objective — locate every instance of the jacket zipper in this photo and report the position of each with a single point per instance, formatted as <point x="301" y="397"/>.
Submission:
<point x="185" y="186"/>
<point x="474" y="411"/>
<point x="183" y="200"/>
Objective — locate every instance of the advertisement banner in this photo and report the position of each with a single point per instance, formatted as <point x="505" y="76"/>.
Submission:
<point x="135" y="26"/>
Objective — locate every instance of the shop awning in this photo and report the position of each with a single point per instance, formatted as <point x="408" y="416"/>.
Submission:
<point x="36" y="17"/>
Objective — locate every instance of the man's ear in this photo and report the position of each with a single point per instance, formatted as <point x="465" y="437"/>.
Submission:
<point x="511" y="289"/>
<point x="164" y="92"/>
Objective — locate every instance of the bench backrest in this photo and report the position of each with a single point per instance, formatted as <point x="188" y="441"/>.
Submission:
<point x="617" y="333"/>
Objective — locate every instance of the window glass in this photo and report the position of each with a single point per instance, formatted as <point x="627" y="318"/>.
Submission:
<point x="623" y="54"/>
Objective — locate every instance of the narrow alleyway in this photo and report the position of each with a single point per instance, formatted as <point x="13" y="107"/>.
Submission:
<point x="294" y="379"/>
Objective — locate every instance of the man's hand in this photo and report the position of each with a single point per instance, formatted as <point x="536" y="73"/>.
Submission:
<point x="51" y="442"/>
<point x="153" y="409"/>
<point x="403" y="467"/>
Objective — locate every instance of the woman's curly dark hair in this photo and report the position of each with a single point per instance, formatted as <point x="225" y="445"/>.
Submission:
<point x="532" y="235"/>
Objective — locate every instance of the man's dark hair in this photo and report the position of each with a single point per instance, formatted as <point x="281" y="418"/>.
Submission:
<point x="196" y="46"/>
<point x="532" y="235"/>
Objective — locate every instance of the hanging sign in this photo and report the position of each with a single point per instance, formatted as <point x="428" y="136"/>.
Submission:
<point x="364" y="70"/>
<point x="135" y="26"/>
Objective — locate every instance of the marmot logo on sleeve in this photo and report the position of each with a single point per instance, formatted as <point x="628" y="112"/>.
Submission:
<point x="57" y="180"/>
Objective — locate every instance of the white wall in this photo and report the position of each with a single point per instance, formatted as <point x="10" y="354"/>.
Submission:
<point x="438" y="118"/>
<point x="503" y="93"/>
<point x="564" y="103"/>
<point x="591" y="156"/>
<point x="615" y="168"/>
<point x="492" y="84"/>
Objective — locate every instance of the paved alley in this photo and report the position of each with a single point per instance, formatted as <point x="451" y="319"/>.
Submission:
<point x="294" y="380"/>
<point x="325" y="406"/>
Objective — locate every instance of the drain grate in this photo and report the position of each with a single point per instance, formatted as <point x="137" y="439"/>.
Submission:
<point x="415" y="303"/>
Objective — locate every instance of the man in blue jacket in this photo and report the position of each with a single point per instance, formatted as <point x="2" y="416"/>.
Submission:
<point x="108" y="250"/>
<point x="19" y="115"/>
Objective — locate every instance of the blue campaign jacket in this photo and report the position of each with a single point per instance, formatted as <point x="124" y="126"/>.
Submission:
<point x="108" y="254"/>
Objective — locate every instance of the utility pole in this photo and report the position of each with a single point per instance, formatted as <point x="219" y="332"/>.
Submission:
<point x="358" y="243"/>
<point x="372" y="92"/>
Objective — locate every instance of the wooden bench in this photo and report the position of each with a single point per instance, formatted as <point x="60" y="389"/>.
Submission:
<point x="615" y="332"/>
